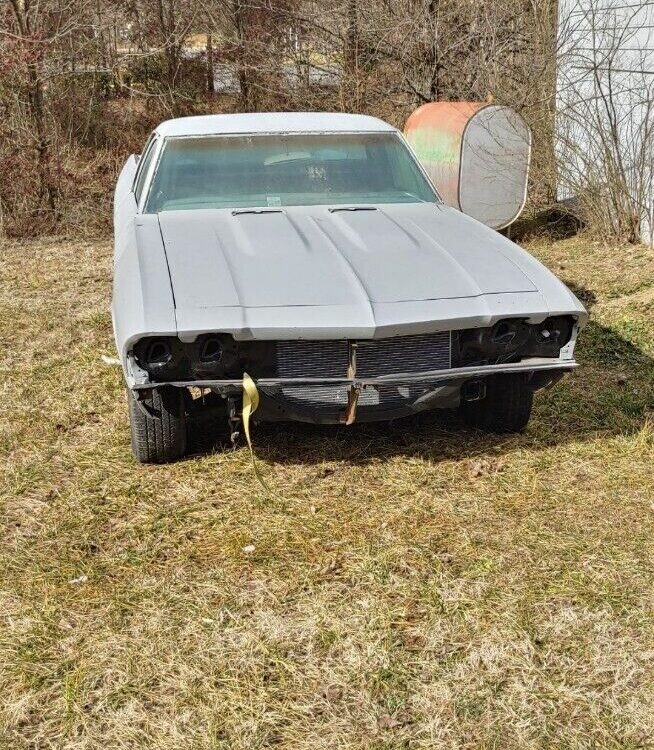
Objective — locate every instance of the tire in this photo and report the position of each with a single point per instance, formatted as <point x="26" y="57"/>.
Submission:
<point x="159" y="438"/>
<point x="505" y="408"/>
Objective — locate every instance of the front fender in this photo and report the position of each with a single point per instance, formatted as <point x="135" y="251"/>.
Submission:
<point x="143" y="302"/>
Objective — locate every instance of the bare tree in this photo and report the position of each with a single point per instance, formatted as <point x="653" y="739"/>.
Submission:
<point x="32" y="39"/>
<point x="605" y="110"/>
<point x="83" y="81"/>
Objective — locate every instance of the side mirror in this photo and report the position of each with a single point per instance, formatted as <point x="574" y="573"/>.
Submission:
<point x="137" y="158"/>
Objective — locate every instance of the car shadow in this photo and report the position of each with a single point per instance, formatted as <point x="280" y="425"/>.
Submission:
<point x="557" y="222"/>
<point x="610" y="393"/>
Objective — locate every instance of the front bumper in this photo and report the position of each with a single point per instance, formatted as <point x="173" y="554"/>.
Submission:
<point x="329" y="400"/>
<point x="536" y="364"/>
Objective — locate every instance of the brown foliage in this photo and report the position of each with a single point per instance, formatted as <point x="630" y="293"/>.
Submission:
<point x="82" y="83"/>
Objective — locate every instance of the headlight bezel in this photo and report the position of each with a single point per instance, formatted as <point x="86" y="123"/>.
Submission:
<point x="482" y="346"/>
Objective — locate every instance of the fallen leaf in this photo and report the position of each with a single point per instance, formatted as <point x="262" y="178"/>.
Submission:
<point x="413" y="641"/>
<point x="331" y="692"/>
<point x="112" y="361"/>
<point x="500" y="465"/>
<point x="332" y="566"/>
<point x="479" y="468"/>
<point x="388" y="722"/>
<point x="486" y="466"/>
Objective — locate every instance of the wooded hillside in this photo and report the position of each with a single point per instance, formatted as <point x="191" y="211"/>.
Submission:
<point x="82" y="82"/>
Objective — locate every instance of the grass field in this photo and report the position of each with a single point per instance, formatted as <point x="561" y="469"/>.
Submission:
<point x="414" y="586"/>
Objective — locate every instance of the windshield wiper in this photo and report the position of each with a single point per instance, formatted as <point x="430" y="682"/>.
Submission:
<point x="239" y="211"/>
<point x="352" y="208"/>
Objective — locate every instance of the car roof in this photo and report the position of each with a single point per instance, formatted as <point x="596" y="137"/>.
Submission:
<point x="273" y="122"/>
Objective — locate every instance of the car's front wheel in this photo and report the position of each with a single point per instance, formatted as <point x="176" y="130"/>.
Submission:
<point x="506" y="406"/>
<point x="158" y="425"/>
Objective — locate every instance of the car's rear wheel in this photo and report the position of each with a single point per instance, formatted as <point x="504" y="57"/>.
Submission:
<point x="158" y="425"/>
<point x="506" y="406"/>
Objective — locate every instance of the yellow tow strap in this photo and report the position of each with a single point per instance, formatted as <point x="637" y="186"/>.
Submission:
<point x="250" y="405"/>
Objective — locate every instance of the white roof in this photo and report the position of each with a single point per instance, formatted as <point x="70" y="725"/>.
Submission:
<point x="272" y="122"/>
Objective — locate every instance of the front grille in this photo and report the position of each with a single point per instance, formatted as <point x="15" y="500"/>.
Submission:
<point x="374" y="357"/>
<point x="324" y="399"/>
<point x="312" y="359"/>
<point x="405" y="354"/>
<point x="334" y="397"/>
<point x="330" y="401"/>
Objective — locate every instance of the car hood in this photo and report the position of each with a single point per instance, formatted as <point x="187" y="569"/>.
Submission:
<point x="346" y="255"/>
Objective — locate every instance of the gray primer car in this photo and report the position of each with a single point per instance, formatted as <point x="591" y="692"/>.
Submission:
<point x="312" y="252"/>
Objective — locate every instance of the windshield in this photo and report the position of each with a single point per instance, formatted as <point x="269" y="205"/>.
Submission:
<point x="286" y="170"/>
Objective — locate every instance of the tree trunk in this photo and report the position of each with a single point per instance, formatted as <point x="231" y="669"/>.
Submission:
<point x="240" y="27"/>
<point x="171" y="46"/>
<point x="352" y="38"/>
<point x="210" y="72"/>
<point x="434" y="57"/>
<point x="36" y="100"/>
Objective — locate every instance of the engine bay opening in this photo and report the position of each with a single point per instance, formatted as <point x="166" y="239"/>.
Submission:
<point x="216" y="356"/>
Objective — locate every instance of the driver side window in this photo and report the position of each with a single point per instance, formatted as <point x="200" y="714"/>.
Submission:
<point x="144" y="166"/>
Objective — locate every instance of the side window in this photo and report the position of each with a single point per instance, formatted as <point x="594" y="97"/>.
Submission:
<point x="144" y="165"/>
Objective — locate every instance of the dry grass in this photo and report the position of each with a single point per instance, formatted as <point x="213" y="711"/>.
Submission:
<point x="419" y="586"/>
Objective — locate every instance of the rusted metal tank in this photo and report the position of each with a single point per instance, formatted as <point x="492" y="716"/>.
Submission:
<point x="477" y="155"/>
